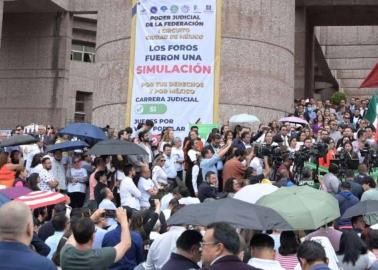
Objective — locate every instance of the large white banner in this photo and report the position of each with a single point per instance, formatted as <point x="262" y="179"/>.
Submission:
<point x="174" y="65"/>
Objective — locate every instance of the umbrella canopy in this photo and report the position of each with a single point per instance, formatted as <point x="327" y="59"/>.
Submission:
<point x="3" y="199"/>
<point x="362" y="208"/>
<point x="252" y="193"/>
<point x="235" y="212"/>
<point x="295" y="120"/>
<point x="18" y="140"/>
<point x="116" y="147"/>
<point x="84" y="131"/>
<point x="15" y="192"/>
<point x="244" y="118"/>
<point x="305" y="208"/>
<point x="38" y="199"/>
<point x="67" y="146"/>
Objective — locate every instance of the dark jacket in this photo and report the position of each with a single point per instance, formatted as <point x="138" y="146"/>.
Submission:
<point x="320" y="267"/>
<point x="40" y="246"/>
<point x="346" y="200"/>
<point x="206" y="191"/>
<point x="229" y="263"/>
<point x="178" y="261"/>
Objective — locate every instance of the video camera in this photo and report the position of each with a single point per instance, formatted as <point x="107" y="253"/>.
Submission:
<point x="275" y="153"/>
<point x="318" y="150"/>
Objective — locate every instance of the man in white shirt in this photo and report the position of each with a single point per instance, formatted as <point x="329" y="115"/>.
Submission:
<point x="78" y="177"/>
<point x="60" y="223"/>
<point x="263" y="254"/>
<point x="178" y="155"/>
<point x="146" y="187"/>
<point x="129" y="193"/>
<point x="47" y="181"/>
<point x="30" y="151"/>
<point x="169" y="165"/>
<point x="58" y="171"/>
<point x="162" y="247"/>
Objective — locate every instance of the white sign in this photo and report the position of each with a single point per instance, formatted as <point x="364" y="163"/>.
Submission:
<point x="174" y="67"/>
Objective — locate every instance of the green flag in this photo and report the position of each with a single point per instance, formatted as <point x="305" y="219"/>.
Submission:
<point x="372" y="110"/>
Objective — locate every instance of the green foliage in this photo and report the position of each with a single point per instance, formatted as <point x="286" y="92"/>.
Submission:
<point x="337" y="97"/>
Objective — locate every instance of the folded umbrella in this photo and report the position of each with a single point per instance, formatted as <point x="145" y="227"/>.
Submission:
<point x="67" y="146"/>
<point x="18" y="140"/>
<point x="37" y="199"/>
<point x="304" y="208"/>
<point x="15" y="192"/>
<point x="362" y="208"/>
<point x="235" y="212"/>
<point x="252" y="193"/>
<point x="84" y="131"/>
<point x="293" y="119"/>
<point x="116" y="147"/>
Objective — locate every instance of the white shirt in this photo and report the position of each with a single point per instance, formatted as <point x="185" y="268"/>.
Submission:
<point x="189" y="200"/>
<point x="129" y="193"/>
<point x="170" y="167"/>
<point x="144" y="185"/>
<point x="165" y="201"/>
<point x="148" y="150"/>
<point x="79" y="176"/>
<point x="265" y="264"/>
<point x="45" y="177"/>
<point x="257" y="164"/>
<point x="36" y="169"/>
<point x="162" y="247"/>
<point x="53" y="242"/>
<point x="159" y="175"/>
<point x="30" y="151"/>
<point x="178" y="155"/>
<point x="57" y="170"/>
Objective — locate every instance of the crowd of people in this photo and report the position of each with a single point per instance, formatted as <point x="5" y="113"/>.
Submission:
<point x="117" y="206"/>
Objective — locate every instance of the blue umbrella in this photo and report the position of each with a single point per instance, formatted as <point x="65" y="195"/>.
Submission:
<point x="67" y="146"/>
<point x="84" y="131"/>
<point x="3" y="199"/>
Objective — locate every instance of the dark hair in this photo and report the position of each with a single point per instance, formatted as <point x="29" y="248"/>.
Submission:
<point x="349" y="173"/>
<point x="183" y="191"/>
<point x="188" y="239"/>
<point x="351" y="246"/>
<point x="312" y="251"/>
<point x="174" y="202"/>
<point x="59" y="222"/>
<point x="205" y="150"/>
<point x="44" y="159"/>
<point x="262" y="240"/>
<point x="167" y="145"/>
<point x="36" y="160"/>
<point x="32" y="181"/>
<point x="120" y="133"/>
<point x="83" y="230"/>
<point x="129" y="130"/>
<point x="238" y="152"/>
<point x="192" y="128"/>
<point x="208" y="174"/>
<point x="99" y="174"/>
<point x="128" y="168"/>
<point x="333" y="168"/>
<point x="149" y="123"/>
<point x="97" y="161"/>
<point x="229" y="185"/>
<point x="103" y="193"/>
<point x="243" y="134"/>
<point x="373" y="239"/>
<point x="289" y="243"/>
<point x="226" y="235"/>
<point x="360" y="133"/>
<point x="346" y="185"/>
<point x="141" y="135"/>
<point x="369" y="181"/>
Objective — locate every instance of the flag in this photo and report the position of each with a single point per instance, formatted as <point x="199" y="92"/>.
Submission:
<point x="371" y="80"/>
<point x="37" y="199"/>
<point x="371" y="114"/>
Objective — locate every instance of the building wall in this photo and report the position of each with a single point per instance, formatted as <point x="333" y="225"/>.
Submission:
<point x="257" y="69"/>
<point x="34" y="66"/>
<point x="1" y="18"/>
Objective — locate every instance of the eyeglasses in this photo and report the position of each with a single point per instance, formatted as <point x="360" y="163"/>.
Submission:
<point x="202" y="244"/>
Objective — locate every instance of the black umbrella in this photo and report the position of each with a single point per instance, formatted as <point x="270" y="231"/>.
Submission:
<point x="116" y="147"/>
<point x="235" y="212"/>
<point x="67" y="146"/>
<point x="362" y="208"/>
<point x="18" y="140"/>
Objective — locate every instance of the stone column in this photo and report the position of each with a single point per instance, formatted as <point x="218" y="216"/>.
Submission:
<point x="112" y="57"/>
<point x="257" y="72"/>
<point x="300" y="52"/>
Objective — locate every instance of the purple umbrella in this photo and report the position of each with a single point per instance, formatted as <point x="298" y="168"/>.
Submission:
<point x="293" y="119"/>
<point x="15" y="192"/>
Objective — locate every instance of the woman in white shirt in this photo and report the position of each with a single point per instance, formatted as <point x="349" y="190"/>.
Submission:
<point x="159" y="176"/>
<point x="76" y="187"/>
<point x="129" y="192"/>
<point x="178" y="156"/>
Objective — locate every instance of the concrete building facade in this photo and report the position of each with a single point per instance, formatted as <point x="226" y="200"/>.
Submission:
<point x="68" y="60"/>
